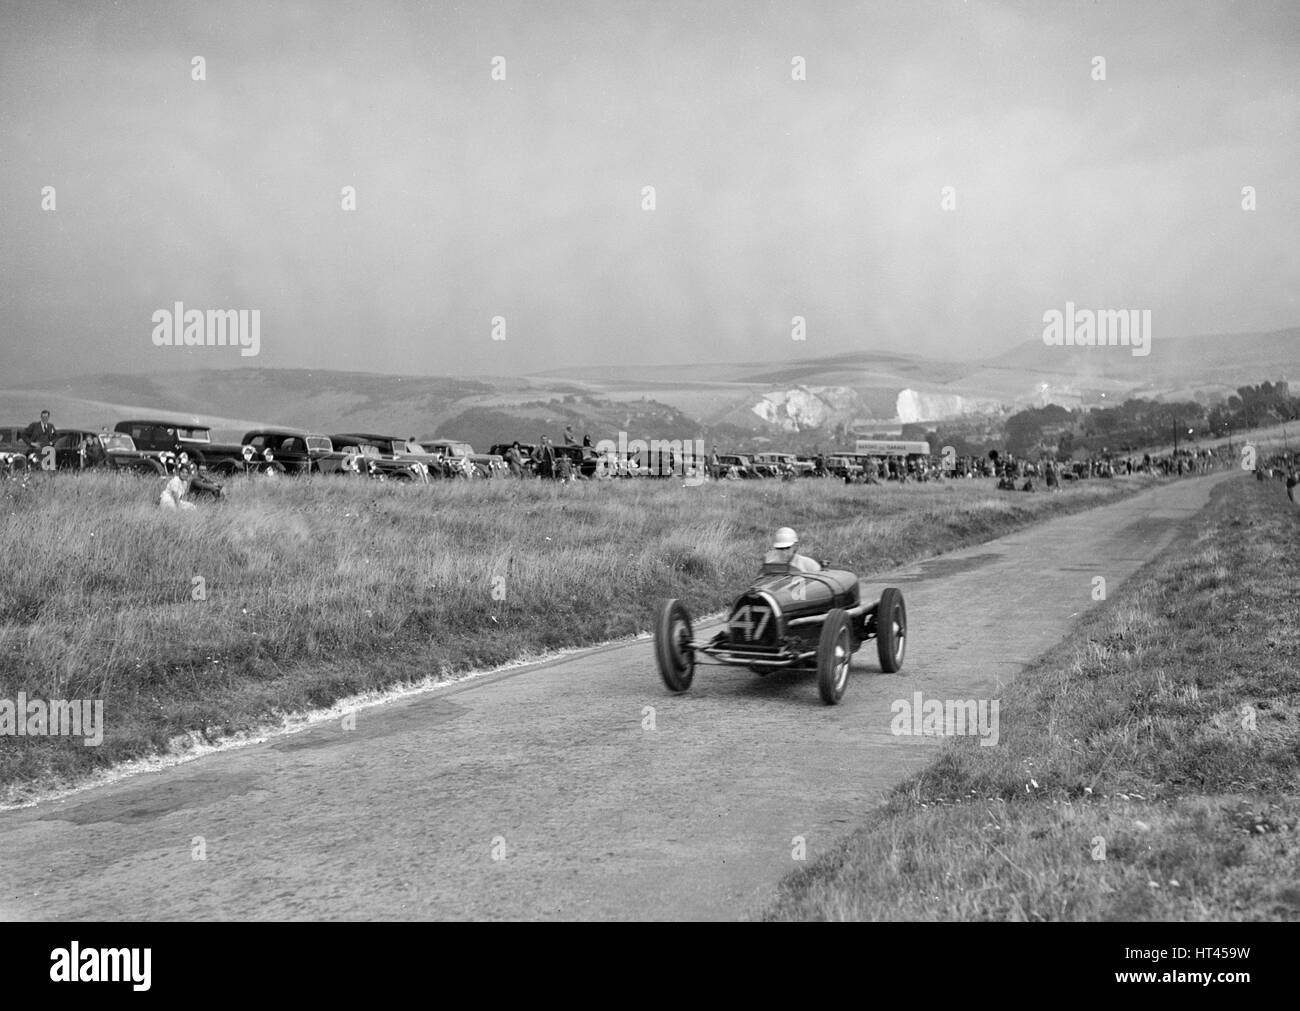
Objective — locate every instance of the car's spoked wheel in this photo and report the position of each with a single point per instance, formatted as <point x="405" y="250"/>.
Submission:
<point x="673" y="636"/>
<point x="834" y="654"/>
<point x="891" y="630"/>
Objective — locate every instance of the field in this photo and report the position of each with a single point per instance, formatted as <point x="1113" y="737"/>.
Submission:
<point x="292" y="595"/>
<point x="1148" y="768"/>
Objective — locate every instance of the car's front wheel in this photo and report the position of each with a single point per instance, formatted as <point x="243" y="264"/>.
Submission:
<point x="891" y="630"/>
<point x="673" y="636"/>
<point x="834" y="654"/>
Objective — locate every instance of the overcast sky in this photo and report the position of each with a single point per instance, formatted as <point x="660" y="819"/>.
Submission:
<point x="522" y="198"/>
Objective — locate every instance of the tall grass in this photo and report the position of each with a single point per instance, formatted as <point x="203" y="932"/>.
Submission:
<point x="291" y="594"/>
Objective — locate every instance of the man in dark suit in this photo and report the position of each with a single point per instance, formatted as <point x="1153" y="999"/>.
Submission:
<point x="39" y="434"/>
<point x="544" y="458"/>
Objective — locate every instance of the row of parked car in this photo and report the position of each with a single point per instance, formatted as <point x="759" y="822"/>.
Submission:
<point x="150" y="446"/>
<point x="157" y="447"/>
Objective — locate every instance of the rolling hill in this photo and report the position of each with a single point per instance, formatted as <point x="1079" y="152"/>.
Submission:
<point x="805" y="401"/>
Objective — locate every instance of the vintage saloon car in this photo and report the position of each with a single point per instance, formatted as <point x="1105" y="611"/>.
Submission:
<point x="169" y="439"/>
<point x="783" y="463"/>
<point x="735" y="466"/>
<point x="297" y="452"/>
<point x="843" y="467"/>
<point x="13" y="448"/>
<point x="455" y="453"/>
<point x="525" y="451"/>
<point x="82" y="449"/>
<point x="385" y="457"/>
<point x="788" y="619"/>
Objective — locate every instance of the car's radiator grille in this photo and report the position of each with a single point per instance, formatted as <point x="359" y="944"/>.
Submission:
<point x="753" y="624"/>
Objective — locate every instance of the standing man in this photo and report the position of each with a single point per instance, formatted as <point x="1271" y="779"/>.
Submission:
<point x="39" y="434"/>
<point x="545" y="458"/>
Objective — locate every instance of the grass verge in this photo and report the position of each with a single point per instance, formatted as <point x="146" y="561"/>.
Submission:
<point x="1147" y="769"/>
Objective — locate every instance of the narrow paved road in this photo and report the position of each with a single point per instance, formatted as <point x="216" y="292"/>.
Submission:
<point x="541" y="792"/>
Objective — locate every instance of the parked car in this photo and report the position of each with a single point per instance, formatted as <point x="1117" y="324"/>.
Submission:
<point x="13" y="448"/>
<point x="525" y="450"/>
<point x="160" y="438"/>
<point x="583" y="458"/>
<point x="380" y="456"/>
<point x="843" y="467"/>
<point x="82" y="449"/>
<point x="454" y="451"/>
<point x="11" y="439"/>
<point x="298" y="452"/>
<point x="734" y="466"/>
<point x="780" y="464"/>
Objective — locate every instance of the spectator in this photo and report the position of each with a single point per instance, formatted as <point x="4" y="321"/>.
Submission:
<point x="515" y="460"/>
<point x="569" y="438"/>
<point x="91" y="451"/>
<point x="39" y="434"/>
<point x="174" y="492"/>
<point x="544" y="456"/>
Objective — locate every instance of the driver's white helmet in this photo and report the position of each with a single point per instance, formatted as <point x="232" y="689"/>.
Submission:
<point x="785" y="538"/>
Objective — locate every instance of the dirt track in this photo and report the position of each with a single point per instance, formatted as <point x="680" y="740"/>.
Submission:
<point x="596" y="816"/>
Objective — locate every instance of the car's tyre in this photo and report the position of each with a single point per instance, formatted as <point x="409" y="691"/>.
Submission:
<point x="834" y="654"/>
<point x="148" y="468"/>
<point x="673" y="635"/>
<point x="891" y="630"/>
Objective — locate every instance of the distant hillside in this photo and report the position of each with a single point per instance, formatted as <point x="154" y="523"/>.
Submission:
<point x="810" y="400"/>
<point x="1222" y="361"/>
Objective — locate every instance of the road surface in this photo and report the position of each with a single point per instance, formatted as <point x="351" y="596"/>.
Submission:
<point x="578" y="788"/>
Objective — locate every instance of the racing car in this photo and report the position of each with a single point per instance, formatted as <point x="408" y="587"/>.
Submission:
<point x="788" y="619"/>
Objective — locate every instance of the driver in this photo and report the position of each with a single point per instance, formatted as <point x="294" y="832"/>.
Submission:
<point x="784" y="546"/>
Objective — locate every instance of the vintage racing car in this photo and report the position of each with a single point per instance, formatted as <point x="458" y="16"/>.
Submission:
<point x="788" y="619"/>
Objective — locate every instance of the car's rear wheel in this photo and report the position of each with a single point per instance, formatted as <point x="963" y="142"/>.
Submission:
<point x="834" y="654"/>
<point x="673" y="636"/>
<point x="891" y="630"/>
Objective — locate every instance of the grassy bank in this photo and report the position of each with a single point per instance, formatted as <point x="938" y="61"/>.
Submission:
<point x="291" y="595"/>
<point x="1148" y="769"/>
